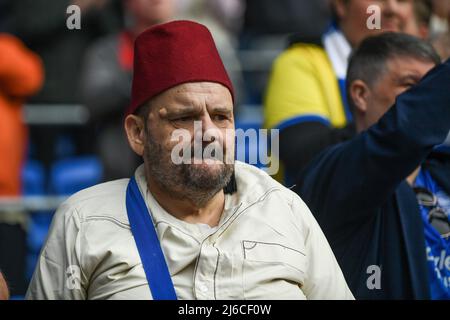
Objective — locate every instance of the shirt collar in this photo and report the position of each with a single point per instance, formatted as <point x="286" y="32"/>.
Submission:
<point x="338" y="50"/>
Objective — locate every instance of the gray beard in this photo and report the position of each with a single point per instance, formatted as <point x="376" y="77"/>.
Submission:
<point x="184" y="181"/>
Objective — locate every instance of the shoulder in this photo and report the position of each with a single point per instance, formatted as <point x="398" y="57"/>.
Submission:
<point x="249" y="176"/>
<point x="11" y="46"/>
<point x="103" y="47"/>
<point x="9" y="40"/>
<point x="301" y="55"/>
<point x="278" y="206"/>
<point x="105" y="201"/>
<point x="254" y="183"/>
<point x="106" y="42"/>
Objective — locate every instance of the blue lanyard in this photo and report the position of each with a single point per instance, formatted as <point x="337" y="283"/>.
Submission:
<point x="436" y="245"/>
<point x="147" y="242"/>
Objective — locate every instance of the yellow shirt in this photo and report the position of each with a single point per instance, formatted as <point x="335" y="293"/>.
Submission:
<point x="303" y="87"/>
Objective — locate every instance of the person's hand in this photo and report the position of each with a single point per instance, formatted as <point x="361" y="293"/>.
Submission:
<point x="87" y="5"/>
<point x="4" y="292"/>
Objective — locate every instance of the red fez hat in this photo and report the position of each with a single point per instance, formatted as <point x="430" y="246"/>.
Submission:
<point x="174" y="53"/>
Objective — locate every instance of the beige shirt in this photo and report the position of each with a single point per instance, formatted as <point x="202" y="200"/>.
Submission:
<point x="266" y="246"/>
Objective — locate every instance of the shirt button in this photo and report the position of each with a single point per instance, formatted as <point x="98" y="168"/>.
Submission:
<point x="203" y="288"/>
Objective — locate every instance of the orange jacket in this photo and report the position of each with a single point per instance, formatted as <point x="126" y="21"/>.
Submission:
<point x="21" y="75"/>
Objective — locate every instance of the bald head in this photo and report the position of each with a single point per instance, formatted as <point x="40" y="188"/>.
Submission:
<point x="4" y="292"/>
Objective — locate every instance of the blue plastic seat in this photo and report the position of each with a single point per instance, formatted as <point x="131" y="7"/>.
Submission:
<point x="34" y="184"/>
<point x="71" y="175"/>
<point x="33" y="178"/>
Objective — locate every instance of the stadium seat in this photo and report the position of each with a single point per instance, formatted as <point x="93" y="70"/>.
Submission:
<point x="71" y="175"/>
<point x="33" y="178"/>
<point x="34" y="184"/>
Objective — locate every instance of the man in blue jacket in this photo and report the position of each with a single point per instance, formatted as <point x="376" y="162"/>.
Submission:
<point x="362" y="192"/>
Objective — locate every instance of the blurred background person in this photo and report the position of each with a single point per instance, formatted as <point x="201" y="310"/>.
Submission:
<point x="21" y="75"/>
<point x="54" y="164"/>
<point x="208" y="12"/>
<point x="442" y="45"/>
<point x="440" y="18"/>
<point x="229" y="13"/>
<point x="439" y="27"/>
<point x="263" y="17"/>
<point x="105" y="84"/>
<point x="392" y="240"/>
<point x="41" y="25"/>
<point x="266" y="29"/>
<point x="420" y="26"/>
<point x="5" y="7"/>
<point x="305" y="98"/>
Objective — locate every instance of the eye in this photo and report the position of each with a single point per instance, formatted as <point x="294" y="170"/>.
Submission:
<point x="184" y="119"/>
<point x="220" y="117"/>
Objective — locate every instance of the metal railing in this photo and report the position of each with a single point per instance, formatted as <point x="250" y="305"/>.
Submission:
<point x="30" y="203"/>
<point x="55" y="114"/>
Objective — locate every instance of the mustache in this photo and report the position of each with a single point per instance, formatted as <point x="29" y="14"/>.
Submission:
<point x="209" y="151"/>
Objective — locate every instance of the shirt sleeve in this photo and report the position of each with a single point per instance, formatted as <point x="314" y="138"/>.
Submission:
<point x="324" y="279"/>
<point x="58" y="274"/>
<point x="296" y="91"/>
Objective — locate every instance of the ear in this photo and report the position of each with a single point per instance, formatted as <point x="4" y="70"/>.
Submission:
<point x="340" y="7"/>
<point x="135" y="129"/>
<point x="360" y="95"/>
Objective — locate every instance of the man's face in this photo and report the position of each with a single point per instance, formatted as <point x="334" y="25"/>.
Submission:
<point x="400" y="75"/>
<point x="198" y="115"/>
<point x="353" y="16"/>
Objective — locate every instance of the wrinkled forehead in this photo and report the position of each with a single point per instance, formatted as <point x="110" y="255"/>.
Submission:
<point x="198" y="94"/>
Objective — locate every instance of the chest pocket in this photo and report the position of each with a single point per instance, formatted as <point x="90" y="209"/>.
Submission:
<point x="273" y="268"/>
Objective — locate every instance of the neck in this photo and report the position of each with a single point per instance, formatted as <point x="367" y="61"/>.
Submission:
<point x="189" y="207"/>
<point x="360" y="124"/>
<point x="346" y="30"/>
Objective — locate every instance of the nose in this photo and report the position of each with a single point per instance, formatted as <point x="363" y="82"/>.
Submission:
<point x="207" y="123"/>
<point x="210" y="131"/>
